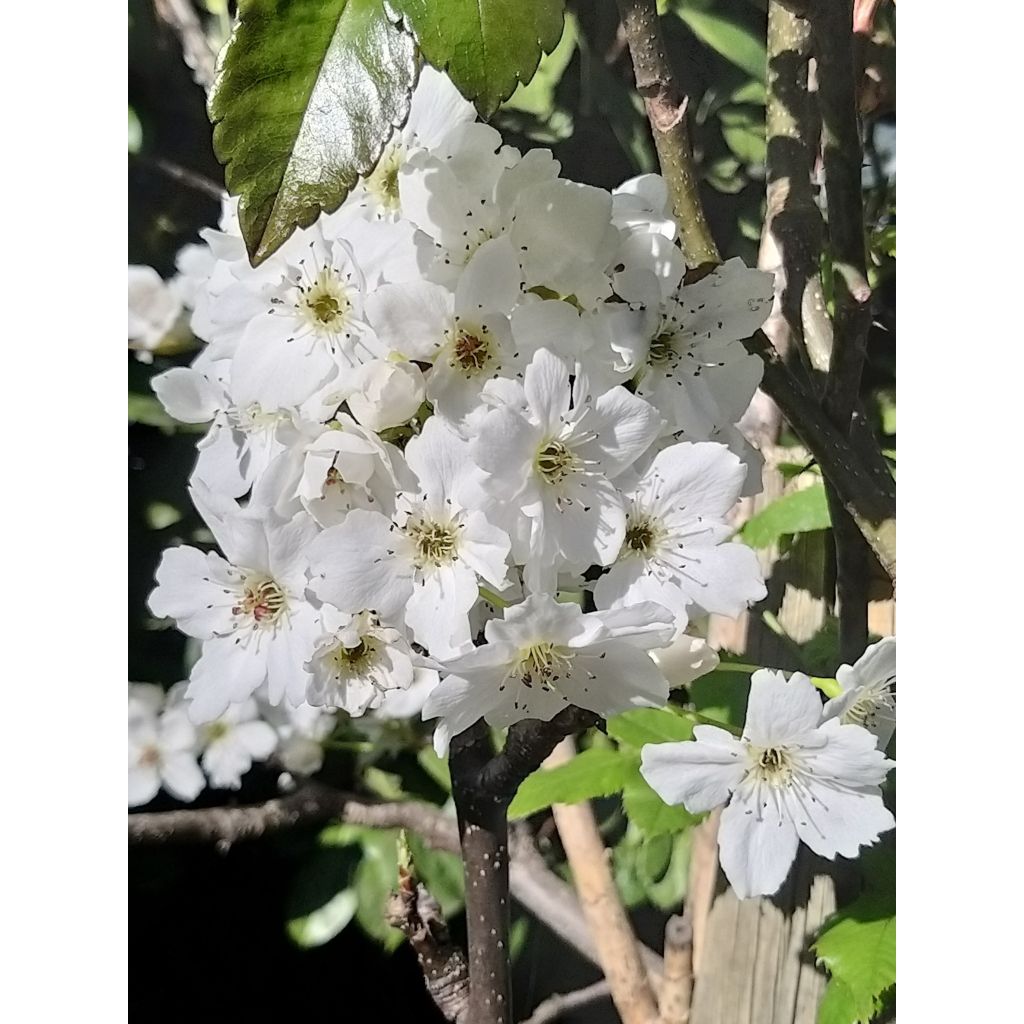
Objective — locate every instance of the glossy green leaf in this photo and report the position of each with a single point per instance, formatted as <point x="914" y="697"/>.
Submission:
<point x="735" y="42"/>
<point x="307" y="93"/>
<point x="858" y="946"/>
<point x="796" y="512"/>
<point x="487" y="46"/>
<point x="649" y="725"/>
<point x="744" y="133"/>
<point x="595" y="772"/>
<point x="651" y="815"/>
<point x="537" y="96"/>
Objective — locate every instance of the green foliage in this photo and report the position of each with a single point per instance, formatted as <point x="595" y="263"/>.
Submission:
<point x="650" y="725"/>
<point x="306" y="95"/>
<point x="722" y="696"/>
<point x="487" y="46"/>
<point x="734" y="41"/>
<point x="592" y="773"/>
<point x="146" y="409"/>
<point x="649" y="813"/>
<point x="796" y="512"/>
<point x="858" y="946"/>
<point x="322" y="901"/>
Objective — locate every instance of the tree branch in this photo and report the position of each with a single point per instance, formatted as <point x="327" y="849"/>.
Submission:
<point x="180" y="16"/>
<point x="666" y="111"/>
<point x="793" y="231"/>
<point x="870" y="499"/>
<point x="527" y="745"/>
<point x="483" y="834"/>
<point x="609" y="924"/>
<point x="554" y="1006"/>
<point x="312" y="802"/>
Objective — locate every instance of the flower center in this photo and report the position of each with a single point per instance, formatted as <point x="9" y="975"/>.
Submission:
<point x="435" y="543"/>
<point x="542" y="663"/>
<point x="662" y="349"/>
<point x="323" y="303"/>
<point x="864" y="710"/>
<point x="263" y="599"/>
<point x="472" y="351"/>
<point x="555" y="462"/>
<point x="640" y="536"/>
<point x="382" y="184"/>
<point x="355" y="660"/>
<point x="150" y="756"/>
<point x="216" y="730"/>
<point x="772" y="765"/>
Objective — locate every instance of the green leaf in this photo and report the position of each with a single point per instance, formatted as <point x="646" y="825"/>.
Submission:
<point x="595" y="772"/>
<point x="858" y="946"/>
<point x="651" y="815"/>
<point x="307" y="93"/>
<point x="146" y="409"/>
<point x="736" y="43"/>
<point x="538" y="96"/>
<point x="321" y="901"/>
<point x="487" y="46"/>
<point x="649" y="725"/>
<point x="744" y="133"/>
<point x="441" y="873"/>
<point x="797" y="512"/>
<point x="721" y="696"/>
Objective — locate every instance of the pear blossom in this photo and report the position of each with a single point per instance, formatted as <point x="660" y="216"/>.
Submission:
<point x="301" y="732"/>
<point x="550" y="453"/>
<point x="153" y="311"/>
<point x="868" y="695"/>
<point x="357" y="661"/>
<point x="674" y="550"/>
<point x="544" y="655"/>
<point x="249" y="609"/>
<point x="790" y="777"/>
<point x="691" y="364"/>
<point x="685" y="659"/>
<point x="161" y="749"/>
<point x="385" y="393"/>
<point x="233" y="741"/>
<point x="423" y="564"/>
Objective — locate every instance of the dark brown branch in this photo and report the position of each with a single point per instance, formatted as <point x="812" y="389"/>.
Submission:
<point x="312" y="802"/>
<point x="413" y="911"/>
<point x="483" y="834"/>
<point x="838" y="73"/>
<point x="528" y="743"/>
<point x="180" y="16"/>
<point x="554" y="1006"/>
<point x="866" y="495"/>
<point x="666" y="111"/>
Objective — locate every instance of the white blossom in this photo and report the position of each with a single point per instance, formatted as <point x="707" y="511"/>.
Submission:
<point x="545" y="655"/>
<point x="868" y="695"/>
<point x="161" y="749"/>
<point x="153" y="311"/>
<point x="790" y="777"/>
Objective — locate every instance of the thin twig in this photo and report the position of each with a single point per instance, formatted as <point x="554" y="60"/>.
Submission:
<point x="666" y="110"/>
<point x="180" y="16"/>
<point x="554" y="1006"/>
<point x="192" y="179"/>
<point x="677" y="990"/>
<point x="606" y="917"/>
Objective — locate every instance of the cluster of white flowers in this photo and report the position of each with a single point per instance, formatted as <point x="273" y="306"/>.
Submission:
<point x="799" y="771"/>
<point x="166" y="750"/>
<point x="471" y="403"/>
<point x="472" y="448"/>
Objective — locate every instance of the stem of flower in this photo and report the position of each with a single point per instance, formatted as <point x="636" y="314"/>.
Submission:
<point x="698" y="719"/>
<point x="492" y="598"/>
